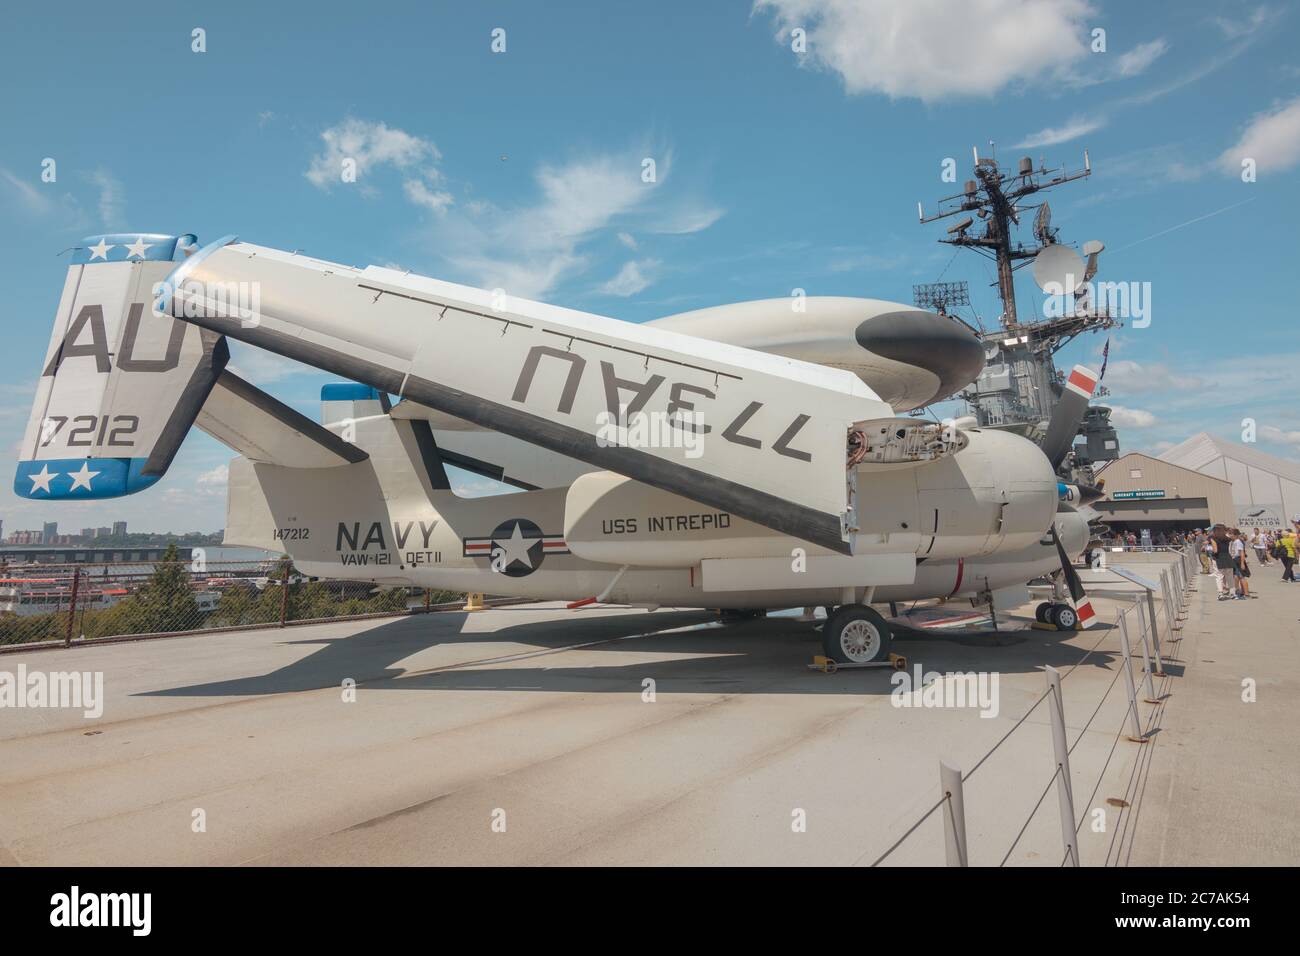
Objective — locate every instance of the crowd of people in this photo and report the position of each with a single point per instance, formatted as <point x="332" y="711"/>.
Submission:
<point x="1226" y="553"/>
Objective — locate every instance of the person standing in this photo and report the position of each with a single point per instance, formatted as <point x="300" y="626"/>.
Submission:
<point x="1223" y="576"/>
<point x="1204" y="550"/>
<point x="1256" y="541"/>
<point x="1287" y="540"/>
<point x="1240" y="569"/>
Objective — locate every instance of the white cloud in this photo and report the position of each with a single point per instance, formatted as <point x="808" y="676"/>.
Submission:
<point x="1274" y="434"/>
<point x="261" y="367"/>
<point x="1053" y="135"/>
<point x="112" y="200"/>
<point x="29" y="195"/>
<point x="422" y="195"/>
<point x="1272" y="140"/>
<point x="1122" y="417"/>
<point x="214" y="477"/>
<point x="930" y="49"/>
<point x="371" y="146"/>
<point x="627" y="239"/>
<point x="1244" y="26"/>
<point x="631" y="279"/>
<point x="685" y="220"/>
<point x="1126" y="375"/>
<point x="1137" y="60"/>
<point x="528" y="249"/>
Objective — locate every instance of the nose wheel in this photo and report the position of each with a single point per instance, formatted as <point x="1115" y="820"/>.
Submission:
<point x="1061" y="616"/>
<point x="856" y="634"/>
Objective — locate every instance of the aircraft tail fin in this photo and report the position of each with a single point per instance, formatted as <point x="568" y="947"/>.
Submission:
<point x="122" y="383"/>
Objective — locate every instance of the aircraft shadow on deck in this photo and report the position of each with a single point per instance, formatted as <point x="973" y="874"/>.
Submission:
<point x="757" y="656"/>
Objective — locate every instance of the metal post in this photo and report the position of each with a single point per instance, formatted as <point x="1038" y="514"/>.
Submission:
<point x="284" y="595"/>
<point x="1146" y="656"/>
<point x="1064" y="790"/>
<point x="1136" y="736"/>
<point x="1155" y="629"/>
<point x="1167" y="596"/>
<point x="72" y="606"/>
<point x="954" y="817"/>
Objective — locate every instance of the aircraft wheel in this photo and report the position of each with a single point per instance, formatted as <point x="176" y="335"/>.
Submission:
<point x="856" y="634"/>
<point x="1063" y="616"/>
<point x="1040" y="612"/>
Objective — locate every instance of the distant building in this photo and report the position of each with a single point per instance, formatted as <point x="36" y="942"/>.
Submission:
<point x="119" y="529"/>
<point x="1146" y="492"/>
<point x="50" y="532"/>
<point x="87" y="533"/>
<point x="1265" y="488"/>
<point x="103" y="532"/>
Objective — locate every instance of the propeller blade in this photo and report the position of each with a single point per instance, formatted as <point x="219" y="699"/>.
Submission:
<point x="1078" y="597"/>
<point x="1068" y="414"/>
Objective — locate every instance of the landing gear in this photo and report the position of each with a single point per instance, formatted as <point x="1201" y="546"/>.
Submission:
<point x="856" y="634"/>
<point x="1063" y="616"/>
<point x="1060" y="615"/>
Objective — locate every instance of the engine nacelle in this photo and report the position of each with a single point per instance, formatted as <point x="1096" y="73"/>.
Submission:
<point x="997" y="493"/>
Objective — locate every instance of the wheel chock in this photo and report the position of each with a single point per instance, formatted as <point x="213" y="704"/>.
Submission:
<point x="829" y="666"/>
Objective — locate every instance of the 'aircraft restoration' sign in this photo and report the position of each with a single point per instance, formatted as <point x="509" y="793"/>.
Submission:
<point x="1141" y="493"/>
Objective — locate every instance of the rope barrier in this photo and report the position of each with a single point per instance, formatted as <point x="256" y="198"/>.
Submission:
<point x="910" y="831"/>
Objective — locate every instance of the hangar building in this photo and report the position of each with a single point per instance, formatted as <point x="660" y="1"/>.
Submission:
<point x="1146" y="492"/>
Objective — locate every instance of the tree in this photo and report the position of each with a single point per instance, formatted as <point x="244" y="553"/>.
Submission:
<point x="166" y="602"/>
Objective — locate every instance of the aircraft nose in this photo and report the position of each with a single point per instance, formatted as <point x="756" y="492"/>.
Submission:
<point x="936" y="343"/>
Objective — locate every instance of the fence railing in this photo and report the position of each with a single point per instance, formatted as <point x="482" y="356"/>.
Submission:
<point x="69" y="602"/>
<point x="1140" y="619"/>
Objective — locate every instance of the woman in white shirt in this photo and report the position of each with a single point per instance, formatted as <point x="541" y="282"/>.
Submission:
<point x="1240" y="570"/>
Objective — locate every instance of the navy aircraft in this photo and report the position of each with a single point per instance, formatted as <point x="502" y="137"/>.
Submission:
<point x="745" y="457"/>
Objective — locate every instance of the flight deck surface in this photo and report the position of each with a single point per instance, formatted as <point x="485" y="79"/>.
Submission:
<point x="531" y="734"/>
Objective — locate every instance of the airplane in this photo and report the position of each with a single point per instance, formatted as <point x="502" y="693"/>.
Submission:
<point x="744" y="458"/>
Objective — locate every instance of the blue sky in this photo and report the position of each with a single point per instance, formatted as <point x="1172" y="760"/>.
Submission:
<point x="775" y="169"/>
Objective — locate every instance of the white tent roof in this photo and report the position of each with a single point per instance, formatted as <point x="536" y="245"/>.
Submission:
<point x="1203" y="448"/>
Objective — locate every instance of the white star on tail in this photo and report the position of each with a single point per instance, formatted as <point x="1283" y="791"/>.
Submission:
<point x="515" y="548"/>
<point x="138" y="247"/>
<point x="42" y="478"/>
<point x="100" y="251"/>
<point x="81" y="479"/>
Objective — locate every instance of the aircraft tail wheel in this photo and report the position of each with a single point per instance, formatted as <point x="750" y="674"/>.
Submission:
<point x="1041" y="612"/>
<point x="1063" y="616"/>
<point x="856" y="634"/>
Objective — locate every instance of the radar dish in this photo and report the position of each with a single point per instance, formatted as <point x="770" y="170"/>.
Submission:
<point x="1059" y="266"/>
<point x="1043" y="224"/>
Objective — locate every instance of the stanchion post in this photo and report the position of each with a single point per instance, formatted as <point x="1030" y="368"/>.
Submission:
<point x="1155" y="629"/>
<point x="1064" y="790"/>
<point x="1167" y="597"/>
<point x="284" y="594"/>
<point x="72" y="607"/>
<point x="954" y="818"/>
<point x="1148" y="687"/>
<point x="1137" y="735"/>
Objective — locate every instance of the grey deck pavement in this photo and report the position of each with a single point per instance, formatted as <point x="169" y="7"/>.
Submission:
<point x="535" y="716"/>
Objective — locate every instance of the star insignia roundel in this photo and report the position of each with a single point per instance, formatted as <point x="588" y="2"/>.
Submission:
<point x="516" y="548"/>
